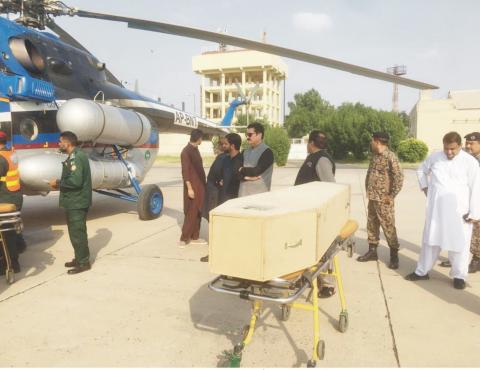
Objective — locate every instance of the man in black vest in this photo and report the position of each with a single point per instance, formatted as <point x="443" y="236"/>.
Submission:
<point x="318" y="166"/>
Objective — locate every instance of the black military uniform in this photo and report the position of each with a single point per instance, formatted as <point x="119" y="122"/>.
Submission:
<point x="76" y="197"/>
<point x="11" y="197"/>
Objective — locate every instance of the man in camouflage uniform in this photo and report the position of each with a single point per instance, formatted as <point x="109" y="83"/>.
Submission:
<point x="472" y="146"/>
<point x="383" y="182"/>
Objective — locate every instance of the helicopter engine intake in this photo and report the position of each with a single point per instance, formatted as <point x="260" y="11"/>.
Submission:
<point x="103" y="124"/>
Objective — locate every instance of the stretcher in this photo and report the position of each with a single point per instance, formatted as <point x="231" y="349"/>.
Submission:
<point x="10" y="220"/>
<point x="286" y="290"/>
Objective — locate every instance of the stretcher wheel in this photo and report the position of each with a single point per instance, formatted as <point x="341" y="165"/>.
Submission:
<point x="350" y="250"/>
<point x="311" y="363"/>
<point x="321" y="349"/>
<point x="236" y="355"/>
<point x="343" y="322"/>
<point x="10" y="276"/>
<point x="245" y="331"/>
<point x="286" y="309"/>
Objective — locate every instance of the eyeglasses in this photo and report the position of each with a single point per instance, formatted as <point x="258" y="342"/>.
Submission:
<point x="249" y="134"/>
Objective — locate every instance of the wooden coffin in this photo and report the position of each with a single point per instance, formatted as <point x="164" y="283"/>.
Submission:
<point x="264" y="236"/>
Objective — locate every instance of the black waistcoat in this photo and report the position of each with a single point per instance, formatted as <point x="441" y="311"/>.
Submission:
<point x="308" y="171"/>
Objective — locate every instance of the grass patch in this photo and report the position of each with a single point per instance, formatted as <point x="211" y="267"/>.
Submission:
<point x="175" y="159"/>
<point x="208" y="160"/>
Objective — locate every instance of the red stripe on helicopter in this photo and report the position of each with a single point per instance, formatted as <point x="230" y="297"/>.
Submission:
<point x="55" y="145"/>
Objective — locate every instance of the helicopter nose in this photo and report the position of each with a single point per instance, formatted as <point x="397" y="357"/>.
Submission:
<point x="37" y="170"/>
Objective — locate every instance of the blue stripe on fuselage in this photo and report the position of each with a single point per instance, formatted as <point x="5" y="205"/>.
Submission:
<point x="4" y="105"/>
<point x="40" y="139"/>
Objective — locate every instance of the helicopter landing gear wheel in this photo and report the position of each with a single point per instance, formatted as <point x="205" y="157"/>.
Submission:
<point x="150" y="202"/>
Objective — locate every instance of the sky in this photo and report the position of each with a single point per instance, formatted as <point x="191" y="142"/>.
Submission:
<point x="437" y="40"/>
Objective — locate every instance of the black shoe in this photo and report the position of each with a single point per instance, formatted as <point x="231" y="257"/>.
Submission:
<point x="394" y="263"/>
<point x="371" y="255"/>
<point x="204" y="259"/>
<point x="16" y="266"/>
<point x="474" y="265"/>
<point x="414" y="277"/>
<point x="445" y="264"/>
<point x="459" y="283"/>
<point x="72" y="263"/>
<point x="80" y="268"/>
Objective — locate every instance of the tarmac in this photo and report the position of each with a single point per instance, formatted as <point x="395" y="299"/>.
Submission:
<point x="146" y="302"/>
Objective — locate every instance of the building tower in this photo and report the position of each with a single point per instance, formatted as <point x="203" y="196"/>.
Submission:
<point x="220" y="72"/>
<point x="396" y="71"/>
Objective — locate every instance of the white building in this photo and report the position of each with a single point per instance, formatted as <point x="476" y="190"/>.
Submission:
<point x="431" y="119"/>
<point x="221" y="70"/>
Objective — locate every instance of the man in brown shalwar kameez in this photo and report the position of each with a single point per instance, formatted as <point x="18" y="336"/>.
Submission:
<point x="194" y="181"/>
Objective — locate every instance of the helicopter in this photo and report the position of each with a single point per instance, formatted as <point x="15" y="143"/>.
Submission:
<point x="50" y="83"/>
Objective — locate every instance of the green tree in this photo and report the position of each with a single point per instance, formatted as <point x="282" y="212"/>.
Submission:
<point x="242" y="121"/>
<point x="412" y="150"/>
<point x="309" y="111"/>
<point x="277" y="139"/>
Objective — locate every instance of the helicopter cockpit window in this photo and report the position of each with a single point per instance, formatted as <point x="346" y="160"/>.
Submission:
<point x="29" y="129"/>
<point x="27" y="55"/>
<point x="60" y="66"/>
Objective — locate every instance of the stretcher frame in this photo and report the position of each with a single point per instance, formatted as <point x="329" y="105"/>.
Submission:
<point x="10" y="221"/>
<point x="287" y="290"/>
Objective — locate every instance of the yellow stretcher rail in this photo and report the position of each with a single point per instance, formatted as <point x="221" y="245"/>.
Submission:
<point x="288" y="289"/>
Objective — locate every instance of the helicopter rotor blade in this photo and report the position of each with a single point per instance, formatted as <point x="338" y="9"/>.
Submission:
<point x="222" y="38"/>
<point x="68" y="39"/>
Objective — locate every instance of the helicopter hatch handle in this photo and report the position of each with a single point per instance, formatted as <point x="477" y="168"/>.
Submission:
<point x="100" y="92"/>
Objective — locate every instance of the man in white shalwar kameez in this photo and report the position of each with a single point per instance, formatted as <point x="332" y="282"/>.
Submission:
<point x="451" y="181"/>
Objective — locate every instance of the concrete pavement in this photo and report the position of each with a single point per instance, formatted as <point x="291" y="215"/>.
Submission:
<point x="146" y="302"/>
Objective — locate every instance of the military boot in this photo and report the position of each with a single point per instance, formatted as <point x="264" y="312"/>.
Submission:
<point x="474" y="265"/>
<point x="393" y="259"/>
<point x="371" y="255"/>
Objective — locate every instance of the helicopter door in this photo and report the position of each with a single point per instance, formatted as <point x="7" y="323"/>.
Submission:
<point x="6" y="120"/>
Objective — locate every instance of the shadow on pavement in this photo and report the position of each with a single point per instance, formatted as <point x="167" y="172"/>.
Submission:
<point x="98" y="241"/>
<point x="446" y="292"/>
<point x="227" y="315"/>
<point x="36" y="258"/>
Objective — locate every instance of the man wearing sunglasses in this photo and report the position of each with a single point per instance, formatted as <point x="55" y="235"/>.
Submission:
<point x="257" y="170"/>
